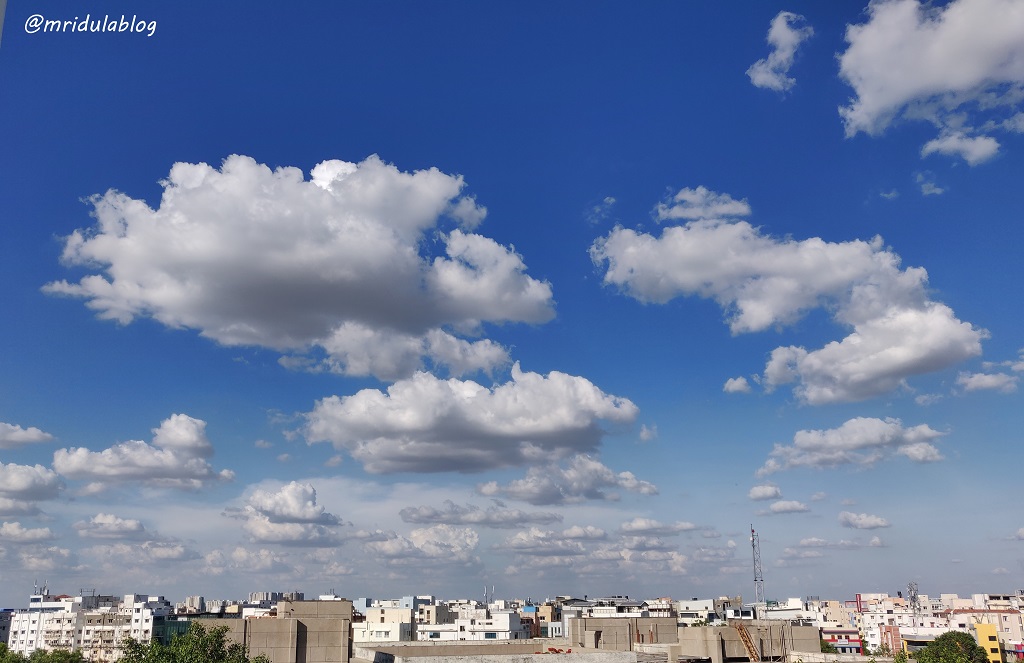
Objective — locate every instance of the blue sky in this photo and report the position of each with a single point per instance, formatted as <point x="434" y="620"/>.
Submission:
<point x="395" y="298"/>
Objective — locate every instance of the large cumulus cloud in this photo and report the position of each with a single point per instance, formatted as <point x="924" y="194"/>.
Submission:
<point x="361" y="269"/>
<point x="959" y="66"/>
<point x="895" y="329"/>
<point x="177" y="458"/>
<point x="289" y="516"/>
<point x="425" y="424"/>
<point x="861" y="441"/>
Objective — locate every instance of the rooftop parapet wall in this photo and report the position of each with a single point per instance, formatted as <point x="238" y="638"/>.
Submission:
<point x="452" y="652"/>
<point x="771" y="639"/>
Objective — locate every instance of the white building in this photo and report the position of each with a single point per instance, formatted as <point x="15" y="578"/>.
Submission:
<point x="93" y="625"/>
<point x="695" y="611"/>
<point x="45" y="611"/>
<point x="485" y="627"/>
<point x="385" y="625"/>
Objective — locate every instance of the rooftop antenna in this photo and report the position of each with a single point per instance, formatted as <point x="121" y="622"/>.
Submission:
<point x="915" y="600"/>
<point x="758" y="575"/>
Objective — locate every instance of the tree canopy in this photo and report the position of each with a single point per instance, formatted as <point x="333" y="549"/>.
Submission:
<point x="197" y="645"/>
<point x="40" y="656"/>
<point x="953" y="647"/>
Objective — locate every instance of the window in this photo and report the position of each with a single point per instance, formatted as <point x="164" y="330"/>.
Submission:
<point x="491" y="636"/>
<point x="435" y="634"/>
<point x="992" y="638"/>
<point x="994" y="650"/>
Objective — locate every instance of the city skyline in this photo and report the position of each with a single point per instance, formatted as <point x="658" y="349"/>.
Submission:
<point x="570" y="296"/>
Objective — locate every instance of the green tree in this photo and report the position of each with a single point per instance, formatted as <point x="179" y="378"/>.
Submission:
<point x="827" y="647"/>
<point x="56" y="656"/>
<point x="7" y="656"/>
<point x="953" y="647"/>
<point x="198" y="645"/>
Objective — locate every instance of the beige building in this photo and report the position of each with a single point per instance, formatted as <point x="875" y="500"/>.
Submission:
<point x="385" y="625"/>
<point x="301" y="632"/>
<point x="621" y="633"/>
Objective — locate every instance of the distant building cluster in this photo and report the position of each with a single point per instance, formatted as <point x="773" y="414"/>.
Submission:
<point x="336" y="629"/>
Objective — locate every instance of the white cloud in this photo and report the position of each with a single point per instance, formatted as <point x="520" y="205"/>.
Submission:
<point x="295" y="502"/>
<point x="241" y="559"/>
<point x="28" y="483"/>
<point x="701" y="203"/>
<point x="599" y="213"/>
<point x="615" y="560"/>
<point x="876" y="542"/>
<point x="788" y="506"/>
<point x="146" y="553"/>
<point x="586" y="533"/>
<point x="736" y="386"/>
<point x="648" y="433"/>
<point x="784" y="36"/>
<point x="425" y="424"/>
<point x="988" y="381"/>
<point x="818" y="542"/>
<point x="289" y="516"/>
<point x="438" y="544"/>
<point x="958" y="66"/>
<point x="176" y="459"/>
<point x="973" y="150"/>
<point x="797" y="557"/>
<point x="338" y="264"/>
<point x="819" y="496"/>
<point x="12" y="436"/>
<point x="761" y="282"/>
<point x="585" y="478"/>
<point x="14" y="532"/>
<point x="649" y="527"/>
<point x="40" y="558"/>
<point x="644" y="543"/>
<point x="536" y="542"/>
<point x="493" y="516"/>
<point x="860" y="441"/>
<point x="813" y="542"/>
<point x="920" y="452"/>
<point x="928" y="185"/>
<point x="109" y="526"/>
<point x="764" y="492"/>
<point x="10" y="507"/>
<point x="862" y="520"/>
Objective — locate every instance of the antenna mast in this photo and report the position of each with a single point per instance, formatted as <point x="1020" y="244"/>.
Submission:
<point x="915" y="599"/>
<point x="758" y="575"/>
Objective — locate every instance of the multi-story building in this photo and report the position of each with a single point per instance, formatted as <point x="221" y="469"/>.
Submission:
<point x="192" y="605"/>
<point x="695" y="611"/>
<point x="5" y="624"/>
<point x="434" y="613"/>
<point x="482" y="626"/>
<point x="385" y="625"/>
<point x="29" y="625"/>
<point x="93" y="625"/>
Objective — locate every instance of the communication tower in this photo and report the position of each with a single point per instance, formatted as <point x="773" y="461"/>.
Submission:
<point x="758" y="575"/>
